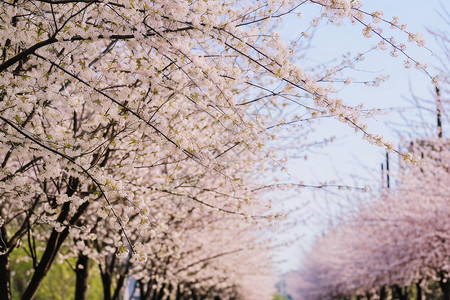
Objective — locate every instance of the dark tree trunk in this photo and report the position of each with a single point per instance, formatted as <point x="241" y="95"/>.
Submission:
<point x="141" y="290"/>
<point x="119" y="287"/>
<point x="194" y="295"/>
<point x="178" y="294"/>
<point x="54" y="243"/>
<point x="402" y="292"/>
<point x="419" y="295"/>
<point x="145" y="290"/>
<point x="121" y="281"/>
<point x="106" y="282"/>
<point x="151" y="291"/>
<point x="383" y="293"/>
<point x="404" y="295"/>
<point x="5" y="283"/>
<point x="5" y="278"/>
<point x="158" y="295"/>
<point x="445" y="286"/>
<point x="82" y="274"/>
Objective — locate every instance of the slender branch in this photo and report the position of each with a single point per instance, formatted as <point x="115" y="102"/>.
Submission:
<point x="188" y="153"/>
<point x="25" y="53"/>
<point x="72" y="160"/>
<point x="300" y="185"/>
<point x="210" y="258"/>
<point x="23" y="168"/>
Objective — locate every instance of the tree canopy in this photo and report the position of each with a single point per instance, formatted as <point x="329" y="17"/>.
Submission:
<point x="138" y="135"/>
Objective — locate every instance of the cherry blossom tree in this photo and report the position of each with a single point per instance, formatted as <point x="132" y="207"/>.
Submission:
<point x="396" y="241"/>
<point x="121" y="117"/>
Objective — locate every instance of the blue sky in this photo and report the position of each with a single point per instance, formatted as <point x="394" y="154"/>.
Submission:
<point x="350" y="159"/>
